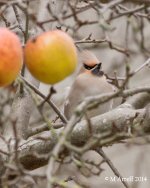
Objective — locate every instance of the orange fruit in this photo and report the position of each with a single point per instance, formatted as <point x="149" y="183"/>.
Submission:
<point x="51" y="56"/>
<point x="10" y="56"/>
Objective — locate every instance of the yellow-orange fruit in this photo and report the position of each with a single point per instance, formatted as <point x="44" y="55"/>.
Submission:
<point x="10" y="56"/>
<point x="51" y="56"/>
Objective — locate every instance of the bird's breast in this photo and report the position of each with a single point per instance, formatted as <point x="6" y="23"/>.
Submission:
<point x="86" y="86"/>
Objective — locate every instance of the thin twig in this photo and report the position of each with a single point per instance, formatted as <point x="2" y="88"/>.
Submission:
<point x="147" y="62"/>
<point x="50" y="102"/>
<point x="111" y="165"/>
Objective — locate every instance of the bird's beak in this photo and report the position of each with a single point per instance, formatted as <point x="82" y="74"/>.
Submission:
<point x="99" y="65"/>
<point x="97" y="70"/>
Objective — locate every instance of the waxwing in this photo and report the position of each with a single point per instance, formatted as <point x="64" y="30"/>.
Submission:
<point x="90" y="81"/>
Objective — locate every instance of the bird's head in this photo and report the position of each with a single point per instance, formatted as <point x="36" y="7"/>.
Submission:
<point x="91" y="64"/>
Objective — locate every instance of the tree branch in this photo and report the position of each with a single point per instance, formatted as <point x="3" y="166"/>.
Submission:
<point x="122" y="120"/>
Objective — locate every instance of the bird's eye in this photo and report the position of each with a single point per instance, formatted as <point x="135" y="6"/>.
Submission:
<point x="89" y="67"/>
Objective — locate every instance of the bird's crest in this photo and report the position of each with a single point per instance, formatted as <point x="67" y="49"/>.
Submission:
<point x="88" y="58"/>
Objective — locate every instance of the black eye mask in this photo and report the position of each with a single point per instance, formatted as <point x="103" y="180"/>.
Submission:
<point x="89" y="67"/>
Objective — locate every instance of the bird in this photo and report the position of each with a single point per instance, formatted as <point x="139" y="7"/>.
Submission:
<point x="90" y="81"/>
